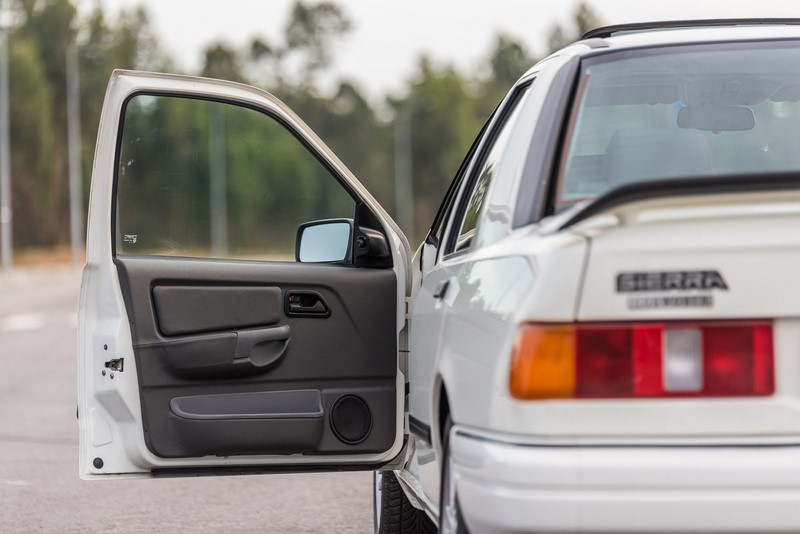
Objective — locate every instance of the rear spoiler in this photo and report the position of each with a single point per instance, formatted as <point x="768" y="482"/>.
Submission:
<point x="678" y="187"/>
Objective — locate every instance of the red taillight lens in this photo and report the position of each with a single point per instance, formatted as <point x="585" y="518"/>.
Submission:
<point x="604" y="364"/>
<point x="738" y="361"/>
<point x="621" y="360"/>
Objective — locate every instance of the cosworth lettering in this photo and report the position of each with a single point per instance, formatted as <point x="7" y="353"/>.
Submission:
<point x="642" y="303"/>
<point x="671" y="280"/>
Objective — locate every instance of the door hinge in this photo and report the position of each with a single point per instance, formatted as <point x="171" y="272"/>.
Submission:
<point x="408" y="308"/>
<point x="116" y="364"/>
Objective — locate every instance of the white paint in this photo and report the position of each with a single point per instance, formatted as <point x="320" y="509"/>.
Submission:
<point x="101" y="430"/>
<point x="509" y="487"/>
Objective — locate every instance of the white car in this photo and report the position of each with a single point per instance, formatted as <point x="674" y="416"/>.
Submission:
<point x="599" y="334"/>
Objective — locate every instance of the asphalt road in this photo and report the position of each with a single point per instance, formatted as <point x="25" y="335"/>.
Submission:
<point x="39" y="486"/>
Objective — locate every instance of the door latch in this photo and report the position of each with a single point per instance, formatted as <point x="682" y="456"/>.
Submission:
<point x="115" y="364"/>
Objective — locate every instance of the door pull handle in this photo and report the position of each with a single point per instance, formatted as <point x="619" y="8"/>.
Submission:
<point x="306" y="304"/>
<point x="441" y="290"/>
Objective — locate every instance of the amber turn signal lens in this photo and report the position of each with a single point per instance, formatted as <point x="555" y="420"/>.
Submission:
<point x="543" y="364"/>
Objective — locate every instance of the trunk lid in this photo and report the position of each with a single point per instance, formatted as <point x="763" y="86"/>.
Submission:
<point x="705" y="257"/>
<point x="694" y="258"/>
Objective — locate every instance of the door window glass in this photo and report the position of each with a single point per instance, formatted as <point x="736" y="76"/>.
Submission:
<point x="206" y="179"/>
<point x="491" y="165"/>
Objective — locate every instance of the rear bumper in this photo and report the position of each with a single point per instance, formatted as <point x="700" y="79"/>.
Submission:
<point x="511" y="487"/>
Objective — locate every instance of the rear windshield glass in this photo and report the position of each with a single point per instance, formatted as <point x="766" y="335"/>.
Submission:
<point x="687" y="112"/>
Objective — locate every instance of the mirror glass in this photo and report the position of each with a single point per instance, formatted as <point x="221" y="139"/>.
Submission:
<point x="324" y="242"/>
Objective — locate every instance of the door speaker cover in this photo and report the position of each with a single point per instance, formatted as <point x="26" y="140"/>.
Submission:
<point x="351" y="419"/>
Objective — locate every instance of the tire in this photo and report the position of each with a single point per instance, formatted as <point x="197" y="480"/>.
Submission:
<point x="450" y="518"/>
<point x="394" y="513"/>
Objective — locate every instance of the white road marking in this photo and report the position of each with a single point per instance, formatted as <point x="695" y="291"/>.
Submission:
<point x="11" y="482"/>
<point x="22" y="322"/>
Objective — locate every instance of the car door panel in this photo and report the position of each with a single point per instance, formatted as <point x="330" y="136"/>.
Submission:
<point x="202" y="394"/>
<point x="223" y="365"/>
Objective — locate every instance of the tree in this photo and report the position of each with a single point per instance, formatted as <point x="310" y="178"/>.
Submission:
<point x="44" y="31"/>
<point x="344" y="119"/>
<point x="222" y="62"/>
<point x="126" y="43"/>
<point x="350" y="126"/>
<point x="48" y="27"/>
<point x="308" y="43"/>
<point x="32" y="134"/>
<point x="508" y="60"/>
<point x="443" y="122"/>
<point x="312" y="31"/>
<point x="443" y="107"/>
<point x="584" y="19"/>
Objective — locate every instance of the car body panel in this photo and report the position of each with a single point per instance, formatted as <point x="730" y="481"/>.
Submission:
<point x="512" y="486"/>
<point x="733" y="234"/>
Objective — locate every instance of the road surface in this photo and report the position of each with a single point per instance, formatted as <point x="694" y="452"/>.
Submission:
<point x="39" y="486"/>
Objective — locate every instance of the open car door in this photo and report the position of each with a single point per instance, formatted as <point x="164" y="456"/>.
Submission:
<point x="243" y="300"/>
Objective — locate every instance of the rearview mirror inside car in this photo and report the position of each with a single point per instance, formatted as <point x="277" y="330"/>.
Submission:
<point x="717" y="118"/>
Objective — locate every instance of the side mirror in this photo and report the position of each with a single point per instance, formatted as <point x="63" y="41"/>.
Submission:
<point x="324" y="241"/>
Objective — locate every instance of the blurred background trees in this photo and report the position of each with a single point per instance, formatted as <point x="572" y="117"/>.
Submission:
<point x="438" y="113"/>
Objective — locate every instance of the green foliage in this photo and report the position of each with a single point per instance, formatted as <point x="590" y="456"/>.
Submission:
<point x="31" y="145"/>
<point x="272" y="185"/>
<point x="508" y="60"/>
<point x="167" y="167"/>
<point x="307" y="49"/>
<point x="349" y="125"/>
<point x="48" y="29"/>
<point x="38" y="45"/>
<point x="584" y="19"/>
<point x="312" y="29"/>
<point x="442" y="118"/>
<point x="222" y="62"/>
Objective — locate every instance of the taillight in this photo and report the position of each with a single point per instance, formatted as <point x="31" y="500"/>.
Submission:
<point x="624" y="360"/>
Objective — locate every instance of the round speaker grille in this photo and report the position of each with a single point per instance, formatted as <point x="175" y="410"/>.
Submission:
<point x="351" y="419"/>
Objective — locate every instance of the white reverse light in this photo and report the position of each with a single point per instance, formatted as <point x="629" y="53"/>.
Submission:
<point x="683" y="360"/>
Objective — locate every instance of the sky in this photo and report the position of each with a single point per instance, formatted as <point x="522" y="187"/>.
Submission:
<point x="389" y="36"/>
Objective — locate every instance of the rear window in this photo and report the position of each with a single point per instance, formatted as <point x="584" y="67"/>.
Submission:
<point x="692" y="111"/>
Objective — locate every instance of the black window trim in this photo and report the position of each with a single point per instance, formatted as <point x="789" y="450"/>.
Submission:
<point x="604" y="32"/>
